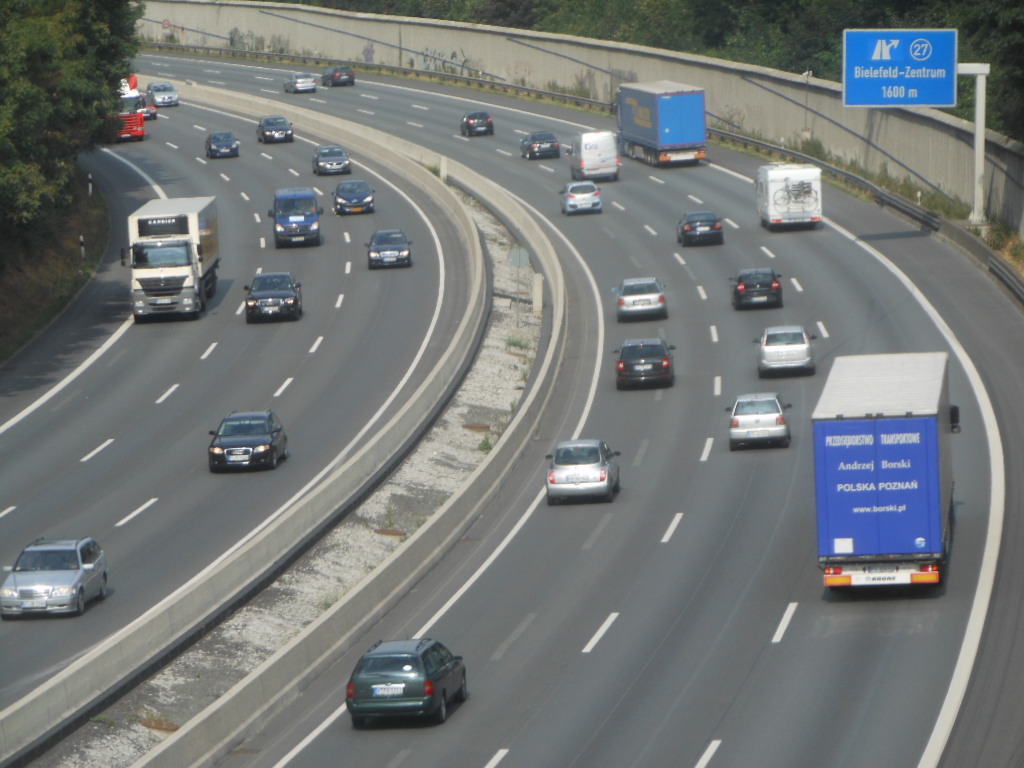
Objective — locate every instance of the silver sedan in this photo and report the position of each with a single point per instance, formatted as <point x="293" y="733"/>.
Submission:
<point x="582" y="469"/>
<point x="300" y="83"/>
<point x="640" y="297"/>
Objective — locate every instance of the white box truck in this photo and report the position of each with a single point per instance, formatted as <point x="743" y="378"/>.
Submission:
<point x="788" y="195"/>
<point x="173" y="254"/>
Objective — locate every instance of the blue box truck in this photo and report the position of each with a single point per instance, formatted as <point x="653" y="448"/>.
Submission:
<point x="883" y="476"/>
<point x="662" y="122"/>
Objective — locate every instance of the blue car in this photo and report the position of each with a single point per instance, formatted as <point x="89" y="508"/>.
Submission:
<point x="222" y="144"/>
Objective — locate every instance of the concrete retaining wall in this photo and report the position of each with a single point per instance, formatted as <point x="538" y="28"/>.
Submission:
<point x="777" y="106"/>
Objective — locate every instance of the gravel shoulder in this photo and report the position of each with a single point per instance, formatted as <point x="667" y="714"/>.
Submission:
<point x="436" y="468"/>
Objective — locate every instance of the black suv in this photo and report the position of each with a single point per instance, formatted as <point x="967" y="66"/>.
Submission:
<point x="402" y="678"/>
<point x="272" y="295"/>
<point x="644" y="361"/>
<point x="248" y="439"/>
<point x="757" y="287"/>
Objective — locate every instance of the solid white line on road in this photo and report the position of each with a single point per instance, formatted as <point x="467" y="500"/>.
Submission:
<point x="676" y="520"/>
<point x="284" y="386"/>
<point x="138" y="511"/>
<point x="784" y="624"/>
<point x="166" y="394"/>
<point x="96" y="450"/>
<point x="600" y="632"/>
<point x="707" y="449"/>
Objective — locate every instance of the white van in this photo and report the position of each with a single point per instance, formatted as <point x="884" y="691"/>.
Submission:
<point x="788" y="194"/>
<point x="595" y="155"/>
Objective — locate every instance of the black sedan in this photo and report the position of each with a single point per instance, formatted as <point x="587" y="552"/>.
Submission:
<point x="222" y="144"/>
<point x="339" y="75"/>
<point x="248" y="439"/>
<point x="271" y="296"/>
<point x="354" y="196"/>
<point x="540" y="144"/>
<point x="476" y="124"/>
<point x="389" y="248"/>
<point x="274" y="128"/>
<point x="644" y="361"/>
<point x="700" y="227"/>
<point x="331" y="159"/>
<point x="759" y="287"/>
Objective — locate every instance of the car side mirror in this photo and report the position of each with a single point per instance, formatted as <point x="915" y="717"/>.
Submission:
<point x="814" y="336"/>
<point x="124" y="258"/>
<point x="671" y="346"/>
<point x="954" y="418"/>
<point x="615" y="351"/>
<point x="616" y="453"/>
<point x="320" y="211"/>
<point x="213" y="432"/>
<point x="298" y="285"/>
<point x="788" y="405"/>
<point x="270" y="213"/>
<point x="245" y="287"/>
<point x="549" y="456"/>
<point x="757" y="341"/>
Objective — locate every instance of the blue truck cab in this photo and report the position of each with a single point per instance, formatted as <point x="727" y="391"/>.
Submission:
<point x="296" y="216"/>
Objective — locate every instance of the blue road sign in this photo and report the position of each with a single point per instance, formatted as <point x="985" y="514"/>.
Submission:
<point x="899" y="67"/>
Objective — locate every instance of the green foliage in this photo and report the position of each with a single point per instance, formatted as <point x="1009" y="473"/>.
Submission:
<point x="60" y="65"/>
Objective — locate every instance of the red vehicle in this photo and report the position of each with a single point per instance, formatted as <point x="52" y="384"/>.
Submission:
<point x="132" y="115"/>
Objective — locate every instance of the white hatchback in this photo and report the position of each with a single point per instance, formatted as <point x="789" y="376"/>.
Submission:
<point x="785" y="348"/>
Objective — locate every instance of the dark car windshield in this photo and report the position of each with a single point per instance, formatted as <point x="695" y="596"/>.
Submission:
<point x="701" y="217"/>
<point x="245" y="426"/>
<point x="389" y="238"/>
<point x="749" y="407"/>
<point x="271" y="283"/>
<point x="757" y="277"/>
<point x="299" y="206"/>
<point x="47" y="560"/>
<point x="332" y="152"/>
<point x="784" y="337"/>
<point x="275" y="122"/>
<point x="223" y="137"/>
<point x="161" y="87"/>
<point x="353" y="188"/>
<point x="543" y="137"/>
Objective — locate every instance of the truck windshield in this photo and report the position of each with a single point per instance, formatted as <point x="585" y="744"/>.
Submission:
<point x="131" y="104"/>
<point x="161" y="255"/>
<point x="299" y="206"/>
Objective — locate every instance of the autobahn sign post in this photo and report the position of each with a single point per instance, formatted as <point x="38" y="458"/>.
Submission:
<point x="899" y="67"/>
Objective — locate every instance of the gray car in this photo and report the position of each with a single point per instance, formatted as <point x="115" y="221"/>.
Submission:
<point x="54" y="576"/>
<point x="579" y="196"/>
<point x="331" y="159"/>
<point x="162" y="95"/>
<point x="640" y="297"/>
<point x="783" y="348"/>
<point x="758" y="419"/>
<point x="303" y="82"/>
<point x="582" y="469"/>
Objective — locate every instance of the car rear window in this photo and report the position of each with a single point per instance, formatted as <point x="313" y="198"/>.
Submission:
<point x="638" y="289"/>
<point x="641" y="351"/>
<point x="751" y="407"/>
<point x="392" y="666"/>
<point x="578" y="455"/>
<point x="783" y="338"/>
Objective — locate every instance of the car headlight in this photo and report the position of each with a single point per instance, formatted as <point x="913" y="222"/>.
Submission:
<point x="405" y="252"/>
<point x="261" y="449"/>
<point x="63" y="592"/>
<point x="250" y="302"/>
<point x="368" y="199"/>
<point x="374" y="254"/>
<point x="278" y="227"/>
<point x="216" y="449"/>
<point x="289" y="301"/>
<point x="235" y="145"/>
<point x="314" y="226"/>
<point x="8" y="592"/>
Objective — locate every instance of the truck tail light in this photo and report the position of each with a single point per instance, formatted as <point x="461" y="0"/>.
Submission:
<point x="834" y="570"/>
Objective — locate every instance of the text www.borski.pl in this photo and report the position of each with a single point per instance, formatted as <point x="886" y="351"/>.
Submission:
<point x="882" y="508"/>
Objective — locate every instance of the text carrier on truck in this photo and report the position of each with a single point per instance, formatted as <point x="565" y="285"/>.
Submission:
<point x="883" y="472"/>
<point x="173" y="254"/>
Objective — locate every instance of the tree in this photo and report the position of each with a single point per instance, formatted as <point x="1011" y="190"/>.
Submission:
<point x="60" y="64"/>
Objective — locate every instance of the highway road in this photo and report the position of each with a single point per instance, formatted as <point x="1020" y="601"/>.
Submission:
<point x="120" y="452"/>
<point x="685" y="623"/>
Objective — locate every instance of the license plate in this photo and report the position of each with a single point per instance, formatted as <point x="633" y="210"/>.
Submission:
<point x="881" y="569"/>
<point x="33" y="603"/>
<point x="163" y="301"/>
<point x="756" y="432"/>
<point x="645" y="367"/>
<point x="270" y="310"/>
<point x="389" y="690"/>
<point x="238" y="458"/>
<point x="757" y="299"/>
<point x="702" y="229"/>
<point x="641" y="302"/>
<point x="575" y="478"/>
<point x="298" y="239"/>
